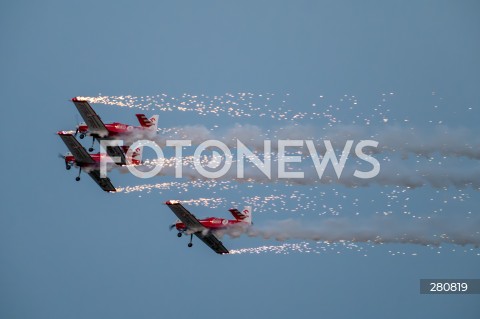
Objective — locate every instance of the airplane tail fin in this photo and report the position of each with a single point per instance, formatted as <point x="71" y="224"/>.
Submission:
<point x="154" y="121"/>
<point x="247" y="211"/>
<point x="150" y="123"/>
<point x="136" y="157"/>
<point x="244" y="216"/>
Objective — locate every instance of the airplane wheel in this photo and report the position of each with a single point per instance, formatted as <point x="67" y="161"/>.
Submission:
<point x="68" y="167"/>
<point x="190" y="245"/>
<point x="82" y="136"/>
<point x="90" y="149"/>
<point x="179" y="235"/>
<point x="77" y="179"/>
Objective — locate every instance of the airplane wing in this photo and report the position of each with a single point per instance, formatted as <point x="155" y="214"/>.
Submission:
<point x="194" y="225"/>
<point x="185" y="216"/>
<point x="97" y="127"/>
<point x="94" y="123"/>
<point x="82" y="157"/>
<point x="104" y="183"/>
<point x="77" y="150"/>
<point x="212" y="242"/>
<point x="115" y="151"/>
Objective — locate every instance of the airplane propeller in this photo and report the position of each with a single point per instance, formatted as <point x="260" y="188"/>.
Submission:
<point x="68" y="166"/>
<point x="171" y="227"/>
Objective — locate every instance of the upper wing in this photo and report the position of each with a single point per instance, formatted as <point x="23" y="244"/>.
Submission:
<point x="104" y="183"/>
<point x="212" y="242"/>
<point x="77" y="150"/>
<point x="193" y="224"/>
<point x="94" y="123"/>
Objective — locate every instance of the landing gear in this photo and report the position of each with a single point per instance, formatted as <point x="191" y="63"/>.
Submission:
<point x="82" y="136"/>
<point x="91" y="147"/>
<point x="190" y="243"/>
<point x="79" y="172"/>
<point x="68" y="167"/>
<point x="179" y="235"/>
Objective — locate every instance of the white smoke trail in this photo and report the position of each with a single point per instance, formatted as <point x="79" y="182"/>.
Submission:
<point x="391" y="174"/>
<point x="440" y="140"/>
<point x="444" y="141"/>
<point x="402" y="140"/>
<point x="431" y="232"/>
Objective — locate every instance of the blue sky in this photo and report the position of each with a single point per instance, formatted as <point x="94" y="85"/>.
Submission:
<point x="69" y="250"/>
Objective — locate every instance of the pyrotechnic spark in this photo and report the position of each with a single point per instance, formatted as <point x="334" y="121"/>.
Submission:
<point x="411" y="158"/>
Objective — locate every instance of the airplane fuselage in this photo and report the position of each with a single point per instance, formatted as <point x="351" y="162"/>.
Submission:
<point x="70" y="160"/>
<point x="114" y="129"/>
<point x="210" y="223"/>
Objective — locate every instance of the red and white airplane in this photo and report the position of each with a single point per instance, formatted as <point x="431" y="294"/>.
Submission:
<point x="80" y="158"/>
<point x="205" y="228"/>
<point x="95" y="128"/>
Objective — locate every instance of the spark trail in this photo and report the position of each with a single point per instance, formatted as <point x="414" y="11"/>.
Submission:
<point x="431" y="160"/>
<point x="345" y="233"/>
